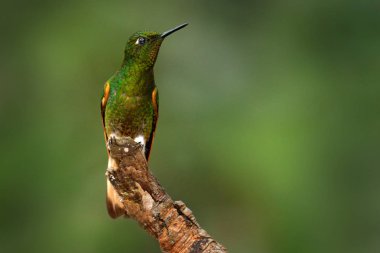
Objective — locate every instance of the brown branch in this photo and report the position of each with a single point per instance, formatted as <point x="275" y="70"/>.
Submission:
<point x="145" y="200"/>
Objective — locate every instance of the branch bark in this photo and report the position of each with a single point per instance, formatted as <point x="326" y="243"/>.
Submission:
<point x="145" y="200"/>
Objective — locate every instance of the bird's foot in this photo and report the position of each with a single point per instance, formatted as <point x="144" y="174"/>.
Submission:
<point x="111" y="141"/>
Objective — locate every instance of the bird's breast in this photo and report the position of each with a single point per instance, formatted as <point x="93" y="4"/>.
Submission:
<point x="129" y="116"/>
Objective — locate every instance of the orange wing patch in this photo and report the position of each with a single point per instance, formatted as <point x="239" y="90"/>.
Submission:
<point x="103" y="104"/>
<point x="105" y="94"/>
<point x="149" y="144"/>
<point x="155" y="102"/>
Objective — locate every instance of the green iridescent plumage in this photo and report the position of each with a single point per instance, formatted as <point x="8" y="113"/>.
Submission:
<point x="129" y="104"/>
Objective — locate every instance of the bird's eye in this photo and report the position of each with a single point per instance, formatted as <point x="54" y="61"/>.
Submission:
<point x="140" y="41"/>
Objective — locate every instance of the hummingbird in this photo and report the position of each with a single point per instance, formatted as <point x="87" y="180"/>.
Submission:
<point x="129" y="105"/>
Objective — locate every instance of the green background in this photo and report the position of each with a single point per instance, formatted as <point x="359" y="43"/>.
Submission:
<point x="269" y="122"/>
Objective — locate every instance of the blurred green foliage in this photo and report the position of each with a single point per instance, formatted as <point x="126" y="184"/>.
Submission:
<point x="269" y="122"/>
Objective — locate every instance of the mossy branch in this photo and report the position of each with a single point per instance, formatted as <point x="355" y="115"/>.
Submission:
<point x="145" y="200"/>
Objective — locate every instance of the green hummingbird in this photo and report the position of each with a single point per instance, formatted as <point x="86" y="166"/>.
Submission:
<point x="129" y="105"/>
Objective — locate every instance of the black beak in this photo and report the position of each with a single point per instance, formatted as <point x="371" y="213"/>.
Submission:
<point x="167" y="33"/>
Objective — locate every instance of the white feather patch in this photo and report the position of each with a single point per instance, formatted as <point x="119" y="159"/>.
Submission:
<point x="140" y="139"/>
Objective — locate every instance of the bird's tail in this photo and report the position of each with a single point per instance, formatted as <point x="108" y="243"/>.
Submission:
<point x="114" y="206"/>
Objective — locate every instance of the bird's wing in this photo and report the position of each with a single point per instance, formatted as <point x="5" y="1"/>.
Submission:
<point x="155" y="118"/>
<point x="114" y="206"/>
<point x="103" y="104"/>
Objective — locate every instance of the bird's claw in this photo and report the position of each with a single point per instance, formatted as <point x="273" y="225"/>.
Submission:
<point x="139" y="145"/>
<point x="111" y="141"/>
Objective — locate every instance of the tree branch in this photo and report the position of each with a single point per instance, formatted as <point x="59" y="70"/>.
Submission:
<point x="145" y="200"/>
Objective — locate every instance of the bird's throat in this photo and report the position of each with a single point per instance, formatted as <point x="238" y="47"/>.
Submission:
<point x="135" y="81"/>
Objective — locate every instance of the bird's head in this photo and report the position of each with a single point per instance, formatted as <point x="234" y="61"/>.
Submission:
<point x="142" y="47"/>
